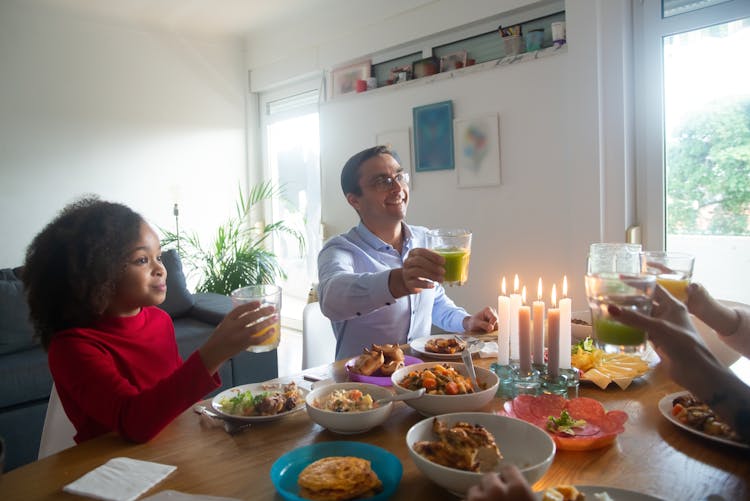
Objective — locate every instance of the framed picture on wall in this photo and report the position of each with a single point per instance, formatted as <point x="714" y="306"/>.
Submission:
<point x="433" y="136"/>
<point x="477" y="151"/>
<point x="399" y="141"/>
<point x="453" y="61"/>
<point x="344" y="79"/>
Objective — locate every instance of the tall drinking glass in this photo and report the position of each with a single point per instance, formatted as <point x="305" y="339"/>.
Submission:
<point x="614" y="258"/>
<point x="455" y="246"/>
<point x="633" y="292"/>
<point x="267" y="295"/>
<point x="673" y="270"/>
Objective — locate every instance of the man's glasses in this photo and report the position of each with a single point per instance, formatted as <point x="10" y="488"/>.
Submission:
<point x="385" y="183"/>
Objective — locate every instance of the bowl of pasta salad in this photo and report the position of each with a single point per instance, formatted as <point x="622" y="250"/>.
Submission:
<point x="348" y="408"/>
<point x="448" y="387"/>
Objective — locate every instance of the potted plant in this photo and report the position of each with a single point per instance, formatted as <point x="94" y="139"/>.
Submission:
<point x="240" y="253"/>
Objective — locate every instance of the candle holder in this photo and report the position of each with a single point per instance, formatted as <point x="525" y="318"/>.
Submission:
<point x="555" y="385"/>
<point x="505" y="375"/>
<point x="528" y="383"/>
<point x="572" y="380"/>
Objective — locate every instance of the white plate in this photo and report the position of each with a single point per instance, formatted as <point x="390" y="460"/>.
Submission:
<point x="614" y="492"/>
<point x="418" y="346"/>
<point x="665" y="407"/>
<point x="256" y="389"/>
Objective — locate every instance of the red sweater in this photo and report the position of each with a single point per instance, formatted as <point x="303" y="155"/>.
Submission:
<point x="124" y="374"/>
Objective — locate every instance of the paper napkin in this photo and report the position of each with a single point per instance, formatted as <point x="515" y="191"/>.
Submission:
<point x="488" y="350"/>
<point x="120" y="479"/>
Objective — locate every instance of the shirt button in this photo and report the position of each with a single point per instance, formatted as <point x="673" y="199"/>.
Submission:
<point x="359" y="314"/>
<point x="387" y="304"/>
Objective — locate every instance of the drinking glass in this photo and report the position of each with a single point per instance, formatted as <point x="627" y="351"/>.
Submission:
<point x="673" y="270"/>
<point x="614" y="258"/>
<point x="455" y="246"/>
<point x="267" y="295"/>
<point x="633" y="292"/>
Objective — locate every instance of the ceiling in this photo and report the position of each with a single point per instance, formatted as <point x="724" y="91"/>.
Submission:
<point x="210" y="18"/>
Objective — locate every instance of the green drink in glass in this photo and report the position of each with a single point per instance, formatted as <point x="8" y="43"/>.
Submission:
<point x="455" y="246"/>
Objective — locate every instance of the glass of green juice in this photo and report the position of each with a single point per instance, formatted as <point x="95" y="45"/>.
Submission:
<point x="628" y="291"/>
<point x="673" y="270"/>
<point x="455" y="246"/>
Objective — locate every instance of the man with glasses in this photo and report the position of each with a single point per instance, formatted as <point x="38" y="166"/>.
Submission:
<point x="378" y="284"/>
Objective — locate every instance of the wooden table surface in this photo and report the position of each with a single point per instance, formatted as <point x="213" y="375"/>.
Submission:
<point x="652" y="456"/>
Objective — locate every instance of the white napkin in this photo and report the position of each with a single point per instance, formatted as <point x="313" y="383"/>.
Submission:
<point x="488" y="350"/>
<point x="120" y="479"/>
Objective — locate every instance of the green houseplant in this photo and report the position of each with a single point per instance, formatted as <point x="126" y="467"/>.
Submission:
<point x="240" y="253"/>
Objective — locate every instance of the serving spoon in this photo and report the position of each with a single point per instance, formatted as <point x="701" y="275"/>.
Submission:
<point x="466" y="356"/>
<point x="401" y="396"/>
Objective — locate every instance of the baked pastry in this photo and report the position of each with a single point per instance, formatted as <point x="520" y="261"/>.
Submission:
<point x="563" y="493"/>
<point x="368" y="362"/>
<point x="338" y="478"/>
<point x="463" y="446"/>
<point x="447" y="346"/>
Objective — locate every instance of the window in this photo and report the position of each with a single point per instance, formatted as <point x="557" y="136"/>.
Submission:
<point x="694" y="170"/>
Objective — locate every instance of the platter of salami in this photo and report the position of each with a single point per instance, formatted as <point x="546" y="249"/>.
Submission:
<point x="578" y="424"/>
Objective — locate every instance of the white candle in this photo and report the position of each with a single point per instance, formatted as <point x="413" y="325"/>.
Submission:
<point x="553" y="336"/>
<point x="524" y="336"/>
<point x="515" y="303"/>
<point x="503" y="327"/>
<point x="565" y="318"/>
<point x="538" y="308"/>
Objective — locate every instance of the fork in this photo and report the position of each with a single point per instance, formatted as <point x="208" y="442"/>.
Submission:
<point x="230" y="426"/>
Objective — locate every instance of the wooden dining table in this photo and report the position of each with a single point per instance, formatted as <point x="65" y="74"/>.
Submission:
<point x="651" y="456"/>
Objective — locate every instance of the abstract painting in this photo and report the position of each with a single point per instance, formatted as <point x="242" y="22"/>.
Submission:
<point x="477" y="151"/>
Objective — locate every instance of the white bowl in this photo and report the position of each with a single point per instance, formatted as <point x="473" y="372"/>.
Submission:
<point x="580" y="331"/>
<point x="348" y="423"/>
<point x="430" y="405"/>
<point x="530" y="448"/>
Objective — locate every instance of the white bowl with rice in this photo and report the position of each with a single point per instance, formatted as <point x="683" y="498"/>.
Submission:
<point x="348" y="408"/>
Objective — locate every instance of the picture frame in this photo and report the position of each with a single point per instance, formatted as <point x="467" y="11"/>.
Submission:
<point x="344" y="79"/>
<point x="433" y="136"/>
<point x="477" y="151"/>
<point x="425" y="67"/>
<point x="453" y="61"/>
<point x="399" y="141"/>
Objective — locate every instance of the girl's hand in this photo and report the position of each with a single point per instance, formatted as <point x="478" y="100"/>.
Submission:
<point x="236" y="332"/>
<point x="509" y="484"/>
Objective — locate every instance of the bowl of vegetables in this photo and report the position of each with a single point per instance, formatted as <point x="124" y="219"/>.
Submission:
<point x="348" y="408"/>
<point x="448" y="387"/>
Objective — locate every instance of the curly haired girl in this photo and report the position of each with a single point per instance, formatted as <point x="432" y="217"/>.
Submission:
<point x="93" y="278"/>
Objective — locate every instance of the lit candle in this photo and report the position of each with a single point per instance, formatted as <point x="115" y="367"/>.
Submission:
<point x="503" y="327"/>
<point x="553" y="336"/>
<point x="524" y="336"/>
<point x="538" y="307"/>
<point x="515" y="303"/>
<point x="565" y="317"/>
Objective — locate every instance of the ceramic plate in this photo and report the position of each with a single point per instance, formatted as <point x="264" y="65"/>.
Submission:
<point x="614" y="493"/>
<point x="256" y="389"/>
<point x="665" y="407"/>
<point x="418" y="346"/>
<point x="286" y="469"/>
<point x="375" y="379"/>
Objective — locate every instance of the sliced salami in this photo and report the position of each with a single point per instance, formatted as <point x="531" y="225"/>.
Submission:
<point x="545" y="406"/>
<point x="585" y="408"/>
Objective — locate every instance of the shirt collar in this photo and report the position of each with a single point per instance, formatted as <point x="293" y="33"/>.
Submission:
<point x="376" y="243"/>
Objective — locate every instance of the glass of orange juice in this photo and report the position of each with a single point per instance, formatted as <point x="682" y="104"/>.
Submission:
<point x="673" y="270"/>
<point x="455" y="246"/>
<point x="267" y="295"/>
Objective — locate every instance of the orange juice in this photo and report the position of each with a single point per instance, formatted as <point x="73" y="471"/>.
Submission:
<point x="676" y="284"/>
<point x="270" y="343"/>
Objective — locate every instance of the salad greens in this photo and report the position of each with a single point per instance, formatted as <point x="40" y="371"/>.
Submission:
<point x="565" y="423"/>
<point x="586" y="345"/>
<point x="243" y="403"/>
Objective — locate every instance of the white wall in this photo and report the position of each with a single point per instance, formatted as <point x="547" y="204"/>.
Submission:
<point x="147" y="119"/>
<point x="565" y="139"/>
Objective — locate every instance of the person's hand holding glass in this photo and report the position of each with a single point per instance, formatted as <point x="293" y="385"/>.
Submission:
<point x="673" y="270"/>
<point x="455" y="247"/>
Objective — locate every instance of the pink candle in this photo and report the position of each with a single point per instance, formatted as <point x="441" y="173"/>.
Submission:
<point x="524" y="336"/>
<point x="565" y="318"/>
<point x="515" y="303"/>
<point x="503" y="327"/>
<point x="553" y="336"/>
<point x="538" y="343"/>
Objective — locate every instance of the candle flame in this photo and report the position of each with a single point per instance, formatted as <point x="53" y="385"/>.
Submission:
<point x="539" y="290"/>
<point x="523" y="295"/>
<point x="502" y="288"/>
<point x="565" y="286"/>
<point x="554" y="295"/>
<point x="515" y="284"/>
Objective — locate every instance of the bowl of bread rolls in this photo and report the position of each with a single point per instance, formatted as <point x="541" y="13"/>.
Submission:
<point x="377" y="363"/>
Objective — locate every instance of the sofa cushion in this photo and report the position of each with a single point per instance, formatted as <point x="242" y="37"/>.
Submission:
<point x="179" y="300"/>
<point x="16" y="332"/>
<point x="24" y="377"/>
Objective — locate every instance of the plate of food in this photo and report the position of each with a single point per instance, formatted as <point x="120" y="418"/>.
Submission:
<point x="602" y="368"/>
<point x="593" y="492"/>
<point x="578" y="424"/>
<point x="337" y="470"/>
<point x="377" y="363"/>
<point x="260" y="401"/>
<point x="445" y="346"/>
<point x="689" y="413"/>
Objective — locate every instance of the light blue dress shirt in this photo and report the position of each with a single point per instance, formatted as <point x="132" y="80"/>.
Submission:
<point x="353" y="270"/>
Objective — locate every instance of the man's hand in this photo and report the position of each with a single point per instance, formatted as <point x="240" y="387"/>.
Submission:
<point x="483" y="321"/>
<point x="420" y="271"/>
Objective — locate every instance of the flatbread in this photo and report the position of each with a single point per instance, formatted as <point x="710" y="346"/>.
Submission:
<point x="338" y="478"/>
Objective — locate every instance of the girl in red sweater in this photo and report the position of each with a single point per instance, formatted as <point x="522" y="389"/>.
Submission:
<point x="93" y="278"/>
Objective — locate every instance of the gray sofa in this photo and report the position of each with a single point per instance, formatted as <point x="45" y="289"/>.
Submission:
<point x="25" y="380"/>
